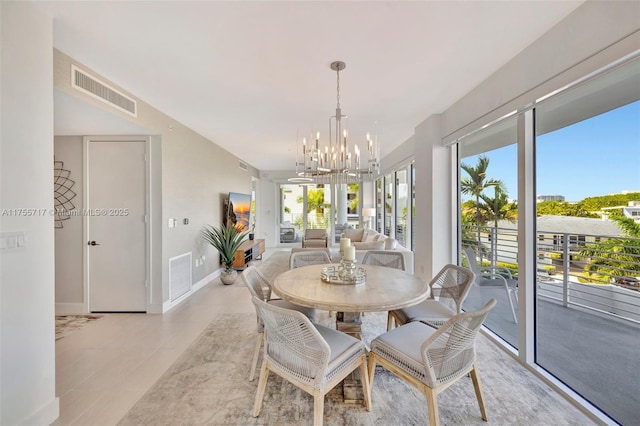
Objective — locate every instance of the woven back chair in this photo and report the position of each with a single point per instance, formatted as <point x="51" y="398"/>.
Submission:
<point x="432" y="359"/>
<point x="494" y="276"/>
<point x="312" y="357"/>
<point x="308" y="257"/>
<point x="260" y="287"/>
<point x="386" y="258"/>
<point x="449" y="288"/>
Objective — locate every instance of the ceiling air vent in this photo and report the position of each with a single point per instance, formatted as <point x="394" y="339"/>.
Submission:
<point x="95" y="88"/>
<point x="243" y="165"/>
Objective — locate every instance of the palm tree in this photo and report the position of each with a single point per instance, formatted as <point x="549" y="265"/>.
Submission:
<point x="315" y="202"/>
<point x="615" y="257"/>
<point x="494" y="209"/>
<point x="498" y="207"/>
<point x="476" y="182"/>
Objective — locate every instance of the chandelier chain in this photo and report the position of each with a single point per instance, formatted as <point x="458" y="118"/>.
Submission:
<point x="338" y="87"/>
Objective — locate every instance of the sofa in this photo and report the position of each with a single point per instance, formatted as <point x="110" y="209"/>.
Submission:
<point x="368" y="239"/>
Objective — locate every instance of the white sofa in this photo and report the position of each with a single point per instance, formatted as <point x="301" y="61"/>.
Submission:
<point x="368" y="239"/>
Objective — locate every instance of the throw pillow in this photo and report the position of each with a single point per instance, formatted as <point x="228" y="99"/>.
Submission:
<point x="354" y="234"/>
<point x="369" y="236"/>
<point x="390" y="244"/>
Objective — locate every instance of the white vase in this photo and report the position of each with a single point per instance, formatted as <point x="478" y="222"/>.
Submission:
<point x="228" y="276"/>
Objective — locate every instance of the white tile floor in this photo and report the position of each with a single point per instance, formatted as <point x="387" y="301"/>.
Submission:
<point x="105" y="367"/>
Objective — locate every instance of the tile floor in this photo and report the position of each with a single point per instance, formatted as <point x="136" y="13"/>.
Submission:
<point x="105" y="367"/>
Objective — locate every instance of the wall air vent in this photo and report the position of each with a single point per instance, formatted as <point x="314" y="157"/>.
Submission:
<point x="243" y="165"/>
<point x="97" y="89"/>
<point x="179" y="276"/>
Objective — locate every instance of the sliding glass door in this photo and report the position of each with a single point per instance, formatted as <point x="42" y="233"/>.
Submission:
<point x="588" y="244"/>
<point x="582" y="150"/>
<point x="489" y="213"/>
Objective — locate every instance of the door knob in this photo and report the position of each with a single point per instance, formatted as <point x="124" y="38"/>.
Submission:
<point x="93" y="243"/>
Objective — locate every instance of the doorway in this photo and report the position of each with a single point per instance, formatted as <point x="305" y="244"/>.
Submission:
<point x="116" y="223"/>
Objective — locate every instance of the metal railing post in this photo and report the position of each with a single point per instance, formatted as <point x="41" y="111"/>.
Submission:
<point x="565" y="270"/>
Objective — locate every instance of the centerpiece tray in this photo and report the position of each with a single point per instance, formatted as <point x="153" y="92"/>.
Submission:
<point x="332" y="275"/>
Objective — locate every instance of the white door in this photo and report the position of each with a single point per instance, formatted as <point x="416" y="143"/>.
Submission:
<point x="116" y="225"/>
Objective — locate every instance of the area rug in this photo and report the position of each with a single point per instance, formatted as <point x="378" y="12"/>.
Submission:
<point x="208" y="385"/>
<point x="67" y="324"/>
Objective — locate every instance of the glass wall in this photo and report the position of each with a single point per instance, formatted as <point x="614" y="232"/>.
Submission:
<point x="379" y="205"/>
<point x="388" y="204"/>
<point x="318" y="206"/>
<point x="489" y="213"/>
<point x="395" y="205"/>
<point x="413" y="205"/>
<point x="291" y="213"/>
<point x="401" y="207"/>
<point x="586" y="247"/>
<point x="588" y="181"/>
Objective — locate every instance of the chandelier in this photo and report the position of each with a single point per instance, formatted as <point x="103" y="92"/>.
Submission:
<point x="336" y="161"/>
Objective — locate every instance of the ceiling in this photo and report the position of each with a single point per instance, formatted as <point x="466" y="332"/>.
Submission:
<point x="254" y="76"/>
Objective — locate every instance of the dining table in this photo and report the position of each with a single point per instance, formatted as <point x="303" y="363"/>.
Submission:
<point x="380" y="288"/>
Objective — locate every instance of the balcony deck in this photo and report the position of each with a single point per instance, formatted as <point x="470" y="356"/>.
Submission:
<point x="594" y="353"/>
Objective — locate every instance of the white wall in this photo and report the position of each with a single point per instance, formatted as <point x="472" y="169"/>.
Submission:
<point x="27" y="372"/>
<point x="68" y="239"/>
<point x="191" y="176"/>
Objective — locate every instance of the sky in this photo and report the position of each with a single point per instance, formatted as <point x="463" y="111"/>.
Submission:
<point x="597" y="156"/>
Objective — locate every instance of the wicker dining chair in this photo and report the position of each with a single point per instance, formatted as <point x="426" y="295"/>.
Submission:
<point x="387" y="258"/>
<point x="260" y="287"/>
<point x="449" y="288"/>
<point x="308" y="257"/>
<point x="310" y="356"/>
<point x="432" y="359"/>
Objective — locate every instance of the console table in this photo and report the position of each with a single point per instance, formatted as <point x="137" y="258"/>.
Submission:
<point x="248" y="250"/>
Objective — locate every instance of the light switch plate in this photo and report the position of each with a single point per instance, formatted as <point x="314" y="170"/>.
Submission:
<point x="12" y="241"/>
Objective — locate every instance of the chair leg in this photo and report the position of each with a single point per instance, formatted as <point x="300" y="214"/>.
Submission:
<point x="318" y="408"/>
<point x="513" y="310"/>
<point x="432" y="405"/>
<point x="366" y="386"/>
<point x="262" y="386"/>
<point x="256" y="354"/>
<point x="476" y="385"/>
<point x="371" y="368"/>
<point x="389" y="321"/>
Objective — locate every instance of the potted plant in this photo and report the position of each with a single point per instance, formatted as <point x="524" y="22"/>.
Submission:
<point x="227" y="240"/>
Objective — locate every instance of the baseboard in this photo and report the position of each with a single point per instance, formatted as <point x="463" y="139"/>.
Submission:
<point x="70" y="308"/>
<point x="206" y="280"/>
<point x="168" y="305"/>
<point x="45" y="415"/>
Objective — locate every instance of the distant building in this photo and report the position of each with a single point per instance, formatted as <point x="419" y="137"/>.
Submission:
<point x="540" y="198"/>
<point x="631" y="210"/>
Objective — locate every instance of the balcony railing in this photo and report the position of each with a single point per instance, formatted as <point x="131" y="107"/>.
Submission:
<point x="595" y="272"/>
<point x="587" y="319"/>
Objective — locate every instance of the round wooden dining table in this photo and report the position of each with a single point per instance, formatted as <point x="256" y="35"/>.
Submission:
<point x="385" y="289"/>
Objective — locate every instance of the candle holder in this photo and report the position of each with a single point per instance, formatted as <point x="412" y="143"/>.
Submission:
<point x="347" y="270"/>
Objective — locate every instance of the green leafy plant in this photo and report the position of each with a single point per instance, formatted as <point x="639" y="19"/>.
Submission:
<point x="225" y="239"/>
